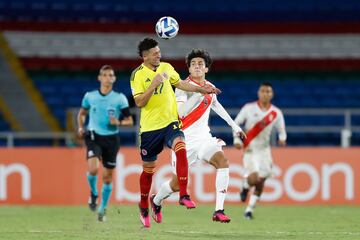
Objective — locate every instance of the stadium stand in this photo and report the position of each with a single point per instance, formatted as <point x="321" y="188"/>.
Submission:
<point x="308" y="51"/>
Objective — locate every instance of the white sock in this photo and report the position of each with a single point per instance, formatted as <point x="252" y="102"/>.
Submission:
<point x="222" y="183"/>
<point x="245" y="183"/>
<point x="252" y="203"/>
<point x="164" y="192"/>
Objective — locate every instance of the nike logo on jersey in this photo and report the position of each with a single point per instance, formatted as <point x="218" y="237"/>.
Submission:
<point x="148" y="80"/>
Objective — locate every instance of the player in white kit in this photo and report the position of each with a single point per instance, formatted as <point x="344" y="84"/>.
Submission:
<point x="194" y="111"/>
<point x="258" y="118"/>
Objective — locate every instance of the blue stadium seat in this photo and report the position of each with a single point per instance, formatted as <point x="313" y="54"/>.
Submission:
<point x="133" y="11"/>
<point x="63" y="91"/>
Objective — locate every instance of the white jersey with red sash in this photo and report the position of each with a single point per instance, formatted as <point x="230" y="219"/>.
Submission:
<point x="259" y="124"/>
<point x="195" y="122"/>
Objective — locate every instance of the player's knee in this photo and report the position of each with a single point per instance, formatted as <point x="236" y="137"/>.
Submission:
<point x="107" y="179"/>
<point x="223" y="162"/>
<point x="219" y="160"/>
<point x="93" y="171"/>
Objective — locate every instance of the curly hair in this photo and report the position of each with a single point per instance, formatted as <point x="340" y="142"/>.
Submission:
<point x="146" y="44"/>
<point x="199" y="53"/>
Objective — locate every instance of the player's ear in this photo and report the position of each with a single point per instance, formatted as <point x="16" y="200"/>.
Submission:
<point x="206" y="70"/>
<point x="113" y="80"/>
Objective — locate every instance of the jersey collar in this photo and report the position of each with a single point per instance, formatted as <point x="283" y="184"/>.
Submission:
<point x="104" y="95"/>
<point x="191" y="80"/>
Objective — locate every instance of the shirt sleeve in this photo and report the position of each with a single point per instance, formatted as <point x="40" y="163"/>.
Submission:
<point x="240" y="118"/>
<point x="124" y="103"/>
<point x="85" y="102"/>
<point x="220" y="110"/>
<point x="180" y="95"/>
<point x="173" y="75"/>
<point x="280" y="127"/>
<point x="137" y="87"/>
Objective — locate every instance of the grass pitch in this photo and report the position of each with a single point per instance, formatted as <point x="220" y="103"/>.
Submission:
<point x="271" y="222"/>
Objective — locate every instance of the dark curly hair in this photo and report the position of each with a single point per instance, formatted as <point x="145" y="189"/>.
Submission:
<point x="146" y="44"/>
<point x="199" y="53"/>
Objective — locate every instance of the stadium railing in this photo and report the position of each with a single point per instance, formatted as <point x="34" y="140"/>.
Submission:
<point x="345" y="130"/>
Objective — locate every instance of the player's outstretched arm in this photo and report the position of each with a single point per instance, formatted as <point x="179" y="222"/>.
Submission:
<point x="220" y="110"/>
<point x="188" y="87"/>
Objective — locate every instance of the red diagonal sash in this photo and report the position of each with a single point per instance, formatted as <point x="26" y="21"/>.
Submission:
<point x="258" y="127"/>
<point x="195" y="114"/>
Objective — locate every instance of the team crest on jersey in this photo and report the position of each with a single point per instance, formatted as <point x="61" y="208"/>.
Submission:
<point x="271" y="117"/>
<point x="206" y="101"/>
<point x="144" y="152"/>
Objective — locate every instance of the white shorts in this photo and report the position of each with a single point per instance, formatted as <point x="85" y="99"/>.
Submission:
<point x="259" y="161"/>
<point x="203" y="149"/>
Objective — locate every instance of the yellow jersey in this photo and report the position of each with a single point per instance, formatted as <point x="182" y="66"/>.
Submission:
<point x="161" y="109"/>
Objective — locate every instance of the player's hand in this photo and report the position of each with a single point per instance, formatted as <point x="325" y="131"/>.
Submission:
<point x="239" y="132"/>
<point x="158" y="79"/>
<point x="282" y="143"/>
<point x="208" y="88"/>
<point x="81" y="132"/>
<point x="114" y="121"/>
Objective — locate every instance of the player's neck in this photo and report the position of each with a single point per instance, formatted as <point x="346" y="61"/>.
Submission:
<point x="198" y="80"/>
<point x="264" y="105"/>
<point x="104" y="90"/>
<point x="150" y="66"/>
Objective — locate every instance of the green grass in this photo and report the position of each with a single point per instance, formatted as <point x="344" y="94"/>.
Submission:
<point x="271" y="222"/>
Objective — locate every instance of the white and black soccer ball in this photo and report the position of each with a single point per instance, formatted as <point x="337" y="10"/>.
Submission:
<point x="167" y="27"/>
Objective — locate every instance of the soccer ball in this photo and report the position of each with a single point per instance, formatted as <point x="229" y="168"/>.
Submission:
<point x="167" y="27"/>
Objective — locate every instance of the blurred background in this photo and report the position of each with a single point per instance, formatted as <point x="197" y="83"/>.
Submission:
<point x="50" y="53"/>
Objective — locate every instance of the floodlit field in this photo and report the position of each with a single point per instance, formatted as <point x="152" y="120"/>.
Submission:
<point x="271" y="222"/>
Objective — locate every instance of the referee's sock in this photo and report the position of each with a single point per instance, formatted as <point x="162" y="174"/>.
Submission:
<point x="92" y="180"/>
<point x="105" y="195"/>
<point x="181" y="167"/>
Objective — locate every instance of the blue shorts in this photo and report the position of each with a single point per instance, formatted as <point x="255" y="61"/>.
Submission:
<point x="152" y="142"/>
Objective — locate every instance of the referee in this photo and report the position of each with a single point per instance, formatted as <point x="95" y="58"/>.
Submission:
<point x="107" y="111"/>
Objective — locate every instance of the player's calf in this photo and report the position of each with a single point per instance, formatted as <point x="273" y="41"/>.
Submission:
<point x="243" y="194"/>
